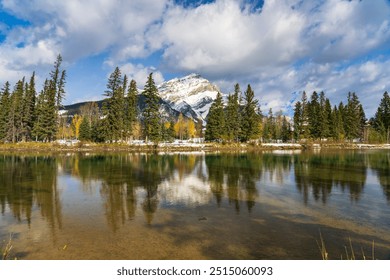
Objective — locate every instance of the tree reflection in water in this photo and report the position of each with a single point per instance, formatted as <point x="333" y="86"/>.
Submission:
<point x="319" y="173"/>
<point x="29" y="181"/>
<point x="127" y="182"/>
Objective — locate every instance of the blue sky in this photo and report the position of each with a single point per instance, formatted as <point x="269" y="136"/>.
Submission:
<point x="280" y="47"/>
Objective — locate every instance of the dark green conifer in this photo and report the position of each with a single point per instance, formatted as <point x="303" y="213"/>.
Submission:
<point x="151" y="114"/>
<point x="4" y="110"/>
<point x="250" y="120"/>
<point x="298" y="121"/>
<point x="215" y="127"/>
<point x="382" y="117"/>
<point x="85" y="130"/>
<point x="131" y="108"/>
<point x="29" y="108"/>
<point x="314" y="111"/>
<point x="232" y="115"/>
<point x="116" y="107"/>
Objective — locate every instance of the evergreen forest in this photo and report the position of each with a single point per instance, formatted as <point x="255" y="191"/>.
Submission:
<point x="26" y="115"/>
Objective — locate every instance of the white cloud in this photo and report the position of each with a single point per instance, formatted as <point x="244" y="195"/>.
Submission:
<point x="286" y="46"/>
<point x="140" y="73"/>
<point x="82" y="28"/>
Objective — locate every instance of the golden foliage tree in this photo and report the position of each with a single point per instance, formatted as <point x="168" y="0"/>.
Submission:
<point x="76" y="122"/>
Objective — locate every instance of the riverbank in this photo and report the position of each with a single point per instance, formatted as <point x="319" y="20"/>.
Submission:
<point x="183" y="146"/>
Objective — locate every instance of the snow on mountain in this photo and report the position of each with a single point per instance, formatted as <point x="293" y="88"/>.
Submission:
<point x="192" y="95"/>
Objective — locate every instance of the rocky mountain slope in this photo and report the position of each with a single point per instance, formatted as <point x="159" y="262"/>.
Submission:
<point x="191" y="95"/>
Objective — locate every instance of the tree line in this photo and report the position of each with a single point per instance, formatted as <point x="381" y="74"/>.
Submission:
<point x="241" y="120"/>
<point x="26" y="115"/>
<point x="317" y="119"/>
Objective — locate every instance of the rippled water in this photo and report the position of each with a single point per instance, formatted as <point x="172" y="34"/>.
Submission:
<point x="271" y="205"/>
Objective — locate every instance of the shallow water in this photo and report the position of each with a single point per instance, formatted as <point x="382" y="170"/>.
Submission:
<point x="270" y="205"/>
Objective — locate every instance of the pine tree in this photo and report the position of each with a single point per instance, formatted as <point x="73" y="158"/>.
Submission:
<point x="328" y="119"/>
<point x="298" y="121"/>
<point x="323" y="117"/>
<point x="57" y="77"/>
<point x="382" y="117"/>
<point x="215" y="127"/>
<point x="305" y="116"/>
<point x="131" y="108"/>
<point x="4" y="110"/>
<point x="269" y="132"/>
<point x="250" y="120"/>
<point x="314" y="110"/>
<point x="285" y="130"/>
<point x="116" y="107"/>
<point x="29" y="108"/>
<point x="15" y="124"/>
<point x="51" y="111"/>
<point x="51" y="102"/>
<point x="171" y="130"/>
<point x="39" y="131"/>
<point x="232" y="116"/>
<point x="151" y="115"/>
<point x="85" y="130"/>
<point x="337" y="127"/>
<point x="354" y="117"/>
<point x="101" y="129"/>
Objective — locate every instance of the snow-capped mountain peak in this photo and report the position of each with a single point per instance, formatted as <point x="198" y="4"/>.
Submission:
<point x="192" y="95"/>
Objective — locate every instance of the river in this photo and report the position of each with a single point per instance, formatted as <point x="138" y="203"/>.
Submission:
<point x="265" y="205"/>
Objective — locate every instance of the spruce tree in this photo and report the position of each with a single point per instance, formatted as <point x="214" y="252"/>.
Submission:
<point x="328" y="119"/>
<point x="85" y="130"/>
<point x="323" y="117"/>
<point x="269" y="132"/>
<point x="131" y="108"/>
<point x="382" y="117"/>
<point x="58" y="83"/>
<point x="4" y="110"/>
<point x="115" y="105"/>
<point x="151" y="115"/>
<point x="215" y="127"/>
<point x="250" y="120"/>
<point x="337" y="127"/>
<point x="298" y="121"/>
<point x="314" y="111"/>
<point x="52" y="97"/>
<point x="305" y="116"/>
<point x="171" y="131"/>
<point x="354" y="117"/>
<point x="29" y="108"/>
<point x="38" y="131"/>
<point x="100" y="128"/>
<point x="285" y="130"/>
<point x="15" y="124"/>
<point x="232" y="116"/>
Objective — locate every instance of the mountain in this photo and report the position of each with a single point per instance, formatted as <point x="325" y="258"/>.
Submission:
<point x="191" y="95"/>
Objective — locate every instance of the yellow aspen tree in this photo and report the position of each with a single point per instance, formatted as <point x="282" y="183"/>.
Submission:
<point x="191" y="131"/>
<point x="76" y="122"/>
<point x="180" y="127"/>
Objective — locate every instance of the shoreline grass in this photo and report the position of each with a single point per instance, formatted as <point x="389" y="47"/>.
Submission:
<point x="349" y="250"/>
<point x="175" y="147"/>
<point x="7" y="249"/>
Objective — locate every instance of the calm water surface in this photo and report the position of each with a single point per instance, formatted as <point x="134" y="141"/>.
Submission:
<point x="270" y="205"/>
